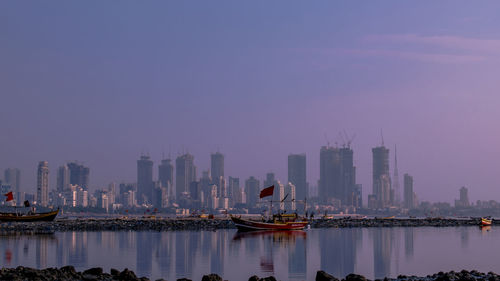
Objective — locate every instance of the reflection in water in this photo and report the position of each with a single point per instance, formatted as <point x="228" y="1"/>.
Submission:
<point x="464" y="237"/>
<point x="409" y="243"/>
<point x="287" y="255"/>
<point x="293" y="241"/>
<point x="338" y="250"/>
<point x="382" y="246"/>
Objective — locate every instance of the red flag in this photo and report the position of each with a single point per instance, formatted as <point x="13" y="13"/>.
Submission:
<point x="10" y="196"/>
<point x="268" y="191"/>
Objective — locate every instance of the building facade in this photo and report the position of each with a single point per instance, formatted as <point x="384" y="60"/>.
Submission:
<point x="297" y="175"/>
<point x="145" y="180"/>
<point x="185" y="174"/>
<point x="42" y="186"/>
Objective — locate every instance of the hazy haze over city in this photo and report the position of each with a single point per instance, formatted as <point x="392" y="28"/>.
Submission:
<point x="102" y="82"/>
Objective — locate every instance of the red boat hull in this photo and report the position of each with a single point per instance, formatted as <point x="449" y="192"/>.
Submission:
<point x="244" y="224"/>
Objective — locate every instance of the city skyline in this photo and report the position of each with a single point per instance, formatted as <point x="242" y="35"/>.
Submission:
<point x="175" y="77"/>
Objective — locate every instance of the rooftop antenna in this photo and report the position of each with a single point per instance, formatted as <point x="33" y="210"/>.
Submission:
<point x="382" y="135"/>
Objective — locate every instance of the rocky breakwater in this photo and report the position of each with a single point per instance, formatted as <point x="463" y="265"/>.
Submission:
<point x="97" y="274"/>
<point x="395" y="222"/>
<point x="169" y="224"/>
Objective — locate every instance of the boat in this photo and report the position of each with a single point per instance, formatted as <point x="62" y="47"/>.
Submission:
<point x="486" y="221"/>
<point x="28" y="217"/>
<point x="278" y="222"/>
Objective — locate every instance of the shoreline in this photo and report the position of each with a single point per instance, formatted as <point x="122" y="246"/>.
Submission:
<point x="97" y="273"/>
<point x="177" y="224"/>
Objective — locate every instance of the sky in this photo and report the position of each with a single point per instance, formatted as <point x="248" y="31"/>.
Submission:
<point x="101" y="82"/>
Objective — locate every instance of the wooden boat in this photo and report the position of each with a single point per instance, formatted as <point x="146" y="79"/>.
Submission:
<point x="278" y="222"/>
<point x="486" y="221"/>
<point x="28" y="217"/>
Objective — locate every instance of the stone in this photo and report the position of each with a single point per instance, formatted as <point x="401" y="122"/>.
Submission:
<point x="211" y="277"/>
<point x="93" y="271"/>
<point x="269" y="278"/>
<point x="127" y="275"/>
<point x="183" y="279"/>
<point x="356" y="277"/>
<point x="323" y="276"/>
<point x="114" y="272"/>
<point x="254" y="278"/>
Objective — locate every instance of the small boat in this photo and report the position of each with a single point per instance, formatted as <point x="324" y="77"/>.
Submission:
<point x="278" y="222"/>
<point x="486" y="221"/>
<point x="28" y="217"/>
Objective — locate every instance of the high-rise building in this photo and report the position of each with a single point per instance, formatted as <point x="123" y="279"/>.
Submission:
<point x="166" y="173"/>
<point x="185" y="173"/>
<point x="464" y="198"/>
<point x="381" y="177"/>
<point x="79" y="175"/>
<point x="217" y="166"/>
<point x="12" y="177"/>
<point x="349" y="193"/>
<point x="290" y="189"/>
<point x="329" y="174"/>
<point x="234" y="188"/>
<point x="252" y="189"/>
<point x="297" y="175"/>
<point x="62" y="178"/>
<point x="205" y="185"/>
<point x="408" y="192"/>
<point x="270" y="180"/>
<point x="145" y="180"/>
<point x="395" y="179"/>
<point x="42" y="186"/>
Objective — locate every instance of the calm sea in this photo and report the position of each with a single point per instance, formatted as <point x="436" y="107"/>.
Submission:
<point x="296" y="255"/>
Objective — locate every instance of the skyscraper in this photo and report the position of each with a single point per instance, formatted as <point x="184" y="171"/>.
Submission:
<point x="12" y="177"/>
<point x="297" y="175"/>
<point x="348" y="191"/>
<point x="252" y="189"/>
<point x="42" y="186"/>
<point x="144" y="179"/>
<point x="217" y="166"/>
<point x="166" y="173"/>
<point x="395" y="179"/>
<point x="408" y="192"/>
<point x="62" y="178"/>
<point x="381" y="178"/>
<point x="79" y="175"/>
<point x="329" y="174"/>
<point x="185" y="173"/>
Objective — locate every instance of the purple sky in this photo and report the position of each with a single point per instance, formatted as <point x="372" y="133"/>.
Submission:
<point x="102" y="81"/>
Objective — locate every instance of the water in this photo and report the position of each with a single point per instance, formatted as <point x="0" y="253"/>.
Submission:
<point x="297" y="255"/>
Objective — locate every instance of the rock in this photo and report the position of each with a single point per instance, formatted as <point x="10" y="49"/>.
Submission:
<point x="93" y="271"/>
<point x="114" y="272"/>
<point x="323" y="276"/>
<point x="254" y="278"/>
<point x="356" y="277"/>
<point x="270" y="278"/>
<point x="128" y="275"/>
<point x="183" y="279"/>
<point x="90" y="277"/>
<point x="211" y="277"/>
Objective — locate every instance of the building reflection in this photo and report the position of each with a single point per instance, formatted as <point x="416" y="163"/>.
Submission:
<point x="144" y="252"/>
<point x="409" y="238"/>
<point x="338" y="249"/>
<point x="382" y="247"/>
<point x="464" y="237"/>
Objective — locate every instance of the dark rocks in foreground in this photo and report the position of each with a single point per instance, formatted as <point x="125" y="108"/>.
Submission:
<point x="167" y="224"/>
<point x="97" y="274"/>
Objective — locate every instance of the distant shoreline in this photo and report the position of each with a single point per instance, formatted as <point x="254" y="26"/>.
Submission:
<point x="174" y="224"/>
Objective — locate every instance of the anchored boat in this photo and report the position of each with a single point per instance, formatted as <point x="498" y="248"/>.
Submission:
<point x="276" y="222"/>
<point x="486" y="221"/>
<point x="29" y="217"/>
